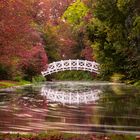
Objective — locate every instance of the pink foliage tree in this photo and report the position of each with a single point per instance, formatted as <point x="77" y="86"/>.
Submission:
<point x="18" y="40"/>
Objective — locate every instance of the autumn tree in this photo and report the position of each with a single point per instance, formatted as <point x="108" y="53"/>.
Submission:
<point x="17" y="38"/>
<point x="77" y="15"/>
<point x="44" y="11"/>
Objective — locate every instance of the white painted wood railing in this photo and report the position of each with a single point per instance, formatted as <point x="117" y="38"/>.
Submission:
<point x="71" y="65"/>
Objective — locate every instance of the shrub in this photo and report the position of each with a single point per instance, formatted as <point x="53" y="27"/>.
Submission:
<point x="38" y="78"/>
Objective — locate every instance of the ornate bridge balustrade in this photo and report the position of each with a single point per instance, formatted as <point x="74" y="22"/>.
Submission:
<point x="63" y="65"/>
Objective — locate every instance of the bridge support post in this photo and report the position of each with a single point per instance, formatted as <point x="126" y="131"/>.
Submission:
<point x="77" y="64"/>
<point x="85" y="65"/>
<point x="70" y="63"/>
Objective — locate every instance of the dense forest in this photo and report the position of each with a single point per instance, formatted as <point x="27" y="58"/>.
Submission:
<point x="34" y="33"/>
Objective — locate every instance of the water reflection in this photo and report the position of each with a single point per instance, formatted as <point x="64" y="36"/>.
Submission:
<point x="70" y="97"/>
<point x="71" y="107"/>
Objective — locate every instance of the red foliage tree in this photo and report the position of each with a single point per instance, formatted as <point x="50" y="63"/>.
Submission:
<point x="34" y="62"/>
<point x="87" y="53"/>
<point x="67" y="41"/>
<point x="49" y="10"/>
<point x="17" y="37"/>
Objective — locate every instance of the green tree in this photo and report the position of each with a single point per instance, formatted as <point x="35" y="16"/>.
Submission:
<point x="75" y="12"/>
<point x="115" y="34"/>
<point x="51" y="42"/>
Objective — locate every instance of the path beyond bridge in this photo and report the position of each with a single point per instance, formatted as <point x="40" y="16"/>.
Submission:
<point x="64" y="65"/>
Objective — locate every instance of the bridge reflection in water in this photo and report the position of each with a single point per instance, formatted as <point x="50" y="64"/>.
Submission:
<point x="70" y="97"/>
<point x="70" y="109"/>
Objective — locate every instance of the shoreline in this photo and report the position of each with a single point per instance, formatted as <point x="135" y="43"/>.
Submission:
<point x="11" y="85"/>
<point x="14" y="87"/>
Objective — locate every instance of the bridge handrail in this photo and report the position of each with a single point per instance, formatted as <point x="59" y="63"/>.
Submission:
<point x="74" y="64"/>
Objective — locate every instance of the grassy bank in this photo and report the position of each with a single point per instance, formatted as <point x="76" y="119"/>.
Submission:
<point x="7" y="84"/>
<point x="65" y="136"/>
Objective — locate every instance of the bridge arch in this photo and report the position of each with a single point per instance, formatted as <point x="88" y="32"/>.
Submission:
<point x="64" y="65"/>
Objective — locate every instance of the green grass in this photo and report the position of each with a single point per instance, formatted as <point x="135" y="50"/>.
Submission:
<point x="7" y="84"/>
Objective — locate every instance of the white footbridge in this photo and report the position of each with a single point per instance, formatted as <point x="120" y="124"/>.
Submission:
<point x="64" y="65"/>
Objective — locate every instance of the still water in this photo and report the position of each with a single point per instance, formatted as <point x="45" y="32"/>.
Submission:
<point x="75" y="107"/>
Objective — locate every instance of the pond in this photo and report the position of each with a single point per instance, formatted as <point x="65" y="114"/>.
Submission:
<point x="75" y="107"/>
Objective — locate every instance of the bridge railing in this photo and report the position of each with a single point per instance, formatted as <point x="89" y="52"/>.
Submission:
<point x="71" y="65"/>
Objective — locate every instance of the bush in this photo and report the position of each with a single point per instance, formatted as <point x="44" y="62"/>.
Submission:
<point x="117" y="77"/>
<point x="137" y="83"/>
<point x="17" y="78"/>
<point x="73" y="75"/>
<point x="38" y="78"/>
<point x="3" y="72"/>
